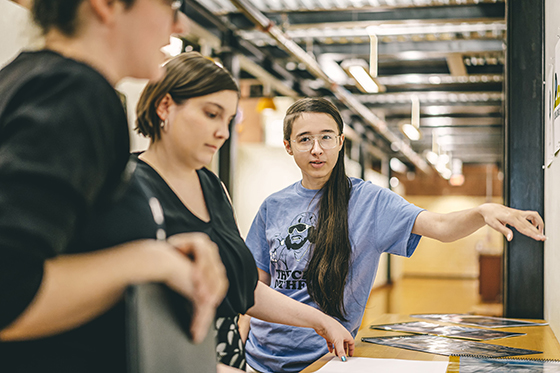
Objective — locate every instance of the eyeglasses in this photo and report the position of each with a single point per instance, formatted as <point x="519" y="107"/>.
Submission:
<point x="176" y="6"/>
<point x="305" y="143"/>
<point x="300" y="228"/>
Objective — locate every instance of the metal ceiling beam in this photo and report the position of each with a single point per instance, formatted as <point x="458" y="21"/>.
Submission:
<point x="428" y="110"/>
<point x="464" y="28"/>
<point x="261" y="21"/>
<point x="461" y="122"/>
<point x="408" y="47"/>
<point x="487" y="10"/>
<point x="433" y="97"/>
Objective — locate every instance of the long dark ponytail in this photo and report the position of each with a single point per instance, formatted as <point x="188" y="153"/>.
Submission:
<point x="328" y="267"/>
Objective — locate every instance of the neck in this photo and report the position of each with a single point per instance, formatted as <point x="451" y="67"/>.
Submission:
<point x="167" y="165"/>
<point x="313" y="184"/>
<point x="86" y="48"/>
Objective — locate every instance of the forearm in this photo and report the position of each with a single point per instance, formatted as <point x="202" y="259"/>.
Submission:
<point x="275" y="307"/>
<point x="449" y="227"/>
<point x="77" y="288"/>
<point x="456" y="225"/>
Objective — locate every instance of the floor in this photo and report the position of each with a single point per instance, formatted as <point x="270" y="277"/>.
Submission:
<point x="428" y="295"/>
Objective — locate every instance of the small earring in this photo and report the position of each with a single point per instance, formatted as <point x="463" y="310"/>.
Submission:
<point x="163" y="123"/>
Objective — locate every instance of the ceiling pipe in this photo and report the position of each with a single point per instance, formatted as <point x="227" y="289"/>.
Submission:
<point x="266" y="25"/>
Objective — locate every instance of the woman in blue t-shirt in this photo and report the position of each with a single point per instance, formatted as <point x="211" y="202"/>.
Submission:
<point x="319" y="240"/>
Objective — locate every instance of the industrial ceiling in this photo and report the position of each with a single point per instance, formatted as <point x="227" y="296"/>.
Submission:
<point x="448" y="55"/>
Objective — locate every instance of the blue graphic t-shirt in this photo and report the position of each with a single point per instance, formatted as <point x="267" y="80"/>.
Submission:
<point x="281" y="238"/>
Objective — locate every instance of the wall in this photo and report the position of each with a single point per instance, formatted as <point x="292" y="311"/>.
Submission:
<point x="552" y="191"/>
<point x="132" y="89"/>
<point x="15" y="30"/>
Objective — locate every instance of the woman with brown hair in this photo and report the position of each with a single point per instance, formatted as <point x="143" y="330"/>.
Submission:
<point x="187" y="116"/>
<point x="319" y="240"/>
<point x="64" y="149"/>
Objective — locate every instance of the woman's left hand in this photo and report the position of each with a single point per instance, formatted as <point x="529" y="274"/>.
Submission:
<point x="499" y="217"/>
<point x="339" y="340"/>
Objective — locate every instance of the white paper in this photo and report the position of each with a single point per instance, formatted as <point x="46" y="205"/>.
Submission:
<point x="368" y="365"/>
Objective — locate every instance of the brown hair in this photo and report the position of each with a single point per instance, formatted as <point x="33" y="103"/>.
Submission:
<point x="329" y="265"/>
<point x="60" y="14"/>
<point x="186" y="76"/>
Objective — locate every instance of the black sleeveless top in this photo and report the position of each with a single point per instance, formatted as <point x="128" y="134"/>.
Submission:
<point x="222" y="229"/>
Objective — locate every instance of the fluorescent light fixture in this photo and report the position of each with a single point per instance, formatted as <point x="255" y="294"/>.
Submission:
<point x="411" y="132"/>
<point x="397" y="166"/>
<point x="394" y="182"/>
<point x="174" y="48"/>
<point x="412" y="129"/>
<point x="332" y="69"/>
<point x="431" y="157"/>
<point x="358" y="69"/>
<point x="363" y="79"/>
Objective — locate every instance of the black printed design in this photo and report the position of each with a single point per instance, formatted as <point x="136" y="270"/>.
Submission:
<point x="290" y="251"/>
<point x="229" y="349"/>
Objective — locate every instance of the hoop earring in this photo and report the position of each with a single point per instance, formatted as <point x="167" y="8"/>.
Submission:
<point x="163" y="124"/>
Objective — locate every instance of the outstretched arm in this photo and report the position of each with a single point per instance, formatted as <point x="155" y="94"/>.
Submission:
<point x="275" y="307"/>
<point x="455" y="225"/>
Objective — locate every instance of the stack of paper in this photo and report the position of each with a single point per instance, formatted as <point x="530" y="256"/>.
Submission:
<point x="368" y="365"/>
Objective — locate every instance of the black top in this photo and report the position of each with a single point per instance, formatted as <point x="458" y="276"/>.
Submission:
<point x="99" y="346"/>
<point x="63" y="149"/>
<point x="222" y="229"/>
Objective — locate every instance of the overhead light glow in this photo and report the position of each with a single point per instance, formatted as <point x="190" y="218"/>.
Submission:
<point x="397" y="166"/>
<point x="174" y="48"/>
<point x="432" y="157"/>
<point x="457" y="180"/>
<point x="411" y="132"/>
<point x="457" y="177"/>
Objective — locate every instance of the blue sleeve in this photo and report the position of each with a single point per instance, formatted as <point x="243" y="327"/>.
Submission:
<point x="395" y="220"/>
<point x="384" y="219"/>
<point x="256" y="240"/>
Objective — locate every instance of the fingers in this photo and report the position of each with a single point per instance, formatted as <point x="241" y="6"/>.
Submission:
<point x="207" y="277"/>
<point x="340" y="341"/>
<point x="535" y="220"/>
<point x="202" y="319"/>
<point x="341" y="348"/>
<point x="350" y="347"/>
<point x="209" y="274"/>
<point x="500" y="227"/>
<point x="528" y="223"/>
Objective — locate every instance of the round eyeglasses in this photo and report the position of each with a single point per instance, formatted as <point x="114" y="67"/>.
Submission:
<point x="305" y="143"/>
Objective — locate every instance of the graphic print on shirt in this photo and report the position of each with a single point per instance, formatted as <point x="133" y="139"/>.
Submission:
<point x="289" y="252"/>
